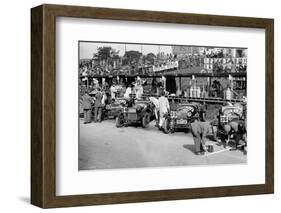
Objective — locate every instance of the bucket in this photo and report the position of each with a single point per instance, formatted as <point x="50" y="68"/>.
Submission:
<point x="210" y="148"/>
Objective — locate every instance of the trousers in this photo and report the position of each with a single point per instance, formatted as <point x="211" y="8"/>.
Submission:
<point x="199" y="141"/>
<point x="87" y="115"/>
<point x="98" y="113"/>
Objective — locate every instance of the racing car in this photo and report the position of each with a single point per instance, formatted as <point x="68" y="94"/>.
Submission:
<point x="142" y="112"/>
<point x="227" y="116"/>
<point x="181" y="117"/>
<point x="113" y="109"/>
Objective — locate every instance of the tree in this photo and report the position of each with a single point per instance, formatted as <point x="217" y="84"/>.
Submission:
<point x="132" y="57"/>
<point x="150" y="58"/>
<point x="107" y="55"/>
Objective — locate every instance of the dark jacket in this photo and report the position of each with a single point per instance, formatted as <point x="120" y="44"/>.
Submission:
<point x="87" y="101"/>
<point x="200" y="128"/>
<point x="235" y="127"/>
<point x="98" y="99"/>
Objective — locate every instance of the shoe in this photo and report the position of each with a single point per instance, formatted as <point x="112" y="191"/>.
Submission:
<point x="202" y="153"/>
<point x="204" y="149"/>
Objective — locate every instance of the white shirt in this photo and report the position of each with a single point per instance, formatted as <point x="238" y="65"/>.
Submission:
<point x="155" y="101"/>
<point x="128" y="92"/>
<point x="113" y="90"/>
<point x="163" y="105"/>
<point x="139" y="91"/>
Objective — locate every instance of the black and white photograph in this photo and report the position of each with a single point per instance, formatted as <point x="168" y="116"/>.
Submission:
<point x="157" y="105"/>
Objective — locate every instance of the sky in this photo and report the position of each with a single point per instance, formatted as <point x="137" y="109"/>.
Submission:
<point x="88" y="48"/>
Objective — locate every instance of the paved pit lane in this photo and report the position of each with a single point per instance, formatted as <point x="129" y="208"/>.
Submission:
<point x="103" y="146"/>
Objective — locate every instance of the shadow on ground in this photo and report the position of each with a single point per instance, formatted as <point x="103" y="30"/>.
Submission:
<point x="190" y="147"/>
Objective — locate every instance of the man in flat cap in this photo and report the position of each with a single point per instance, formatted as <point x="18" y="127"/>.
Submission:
<point x="87" y="107"/>
<point x="98" y="105"/>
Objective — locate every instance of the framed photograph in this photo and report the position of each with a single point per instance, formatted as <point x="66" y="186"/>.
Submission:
<point x="137" y="106"/>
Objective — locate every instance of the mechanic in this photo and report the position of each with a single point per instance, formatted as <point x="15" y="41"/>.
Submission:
<point x="98" y="105"/>
<point x="87" y="106"/>
<point x="128" y="91"/>
<point x="173" y="104"/>
<point x="164" y="108"/>
<point x="199" y="132"/>
<point x="155" y="102"/>
<point x="139" y="88"/>
<point x="113" y="91"/>
<point x="202" y="112"/>
<point x="238" y="130"/>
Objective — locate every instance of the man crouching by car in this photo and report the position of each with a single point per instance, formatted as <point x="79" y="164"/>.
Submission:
<point x="199" y="132"/>
<point x="236" y="130"/>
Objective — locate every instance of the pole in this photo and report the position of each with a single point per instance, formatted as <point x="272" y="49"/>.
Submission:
<point x="180" y="83"/>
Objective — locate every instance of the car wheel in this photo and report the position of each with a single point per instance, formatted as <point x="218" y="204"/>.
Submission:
<point x="119" y="122"/>
<point x="145" y="120"/>
<point x="166" y="126"/>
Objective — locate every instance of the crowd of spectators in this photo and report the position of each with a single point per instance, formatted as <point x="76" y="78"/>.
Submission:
<point x="210" y="63"/>
<point x="168" y="65"/>
<point x="225" y="65"/>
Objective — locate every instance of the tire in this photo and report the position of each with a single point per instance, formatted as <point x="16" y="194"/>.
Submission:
<point x="166" y="126"/>
<point x="119" y="121"/>
<point x="145" y="120"/>
<point x="186" y="131"/>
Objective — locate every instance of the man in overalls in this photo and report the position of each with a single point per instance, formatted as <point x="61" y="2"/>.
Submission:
<point x="87" y="107"/>
<point x="199" y="131"/>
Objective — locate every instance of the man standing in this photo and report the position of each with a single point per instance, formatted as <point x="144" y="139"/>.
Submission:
<point x="98" y="105"/>
<point x="199" y="131"/>
<point x="128" y="91"/>
<point x="113" y="91"/>
<point x="87" y="107"/>
<point x="164" y="108"/>
<point x="139" y="89"/>
<point x="202" y="112"/>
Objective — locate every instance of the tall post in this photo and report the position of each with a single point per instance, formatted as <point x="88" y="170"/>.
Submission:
<point x="179" y="89"/>
<point x="209" y="85"/>
<point x="180" y="83"/>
